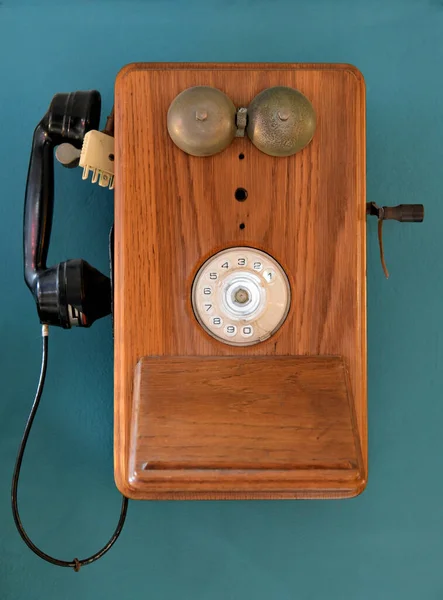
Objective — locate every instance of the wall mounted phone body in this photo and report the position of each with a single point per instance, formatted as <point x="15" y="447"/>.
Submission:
<point x="215" y="396"/>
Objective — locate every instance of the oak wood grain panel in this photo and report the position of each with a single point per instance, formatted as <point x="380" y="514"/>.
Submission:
<point x="172" y="211"/>
<point x="238" y="425"/>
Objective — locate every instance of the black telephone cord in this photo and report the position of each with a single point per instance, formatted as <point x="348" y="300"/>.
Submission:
<point x="76" y="563"/>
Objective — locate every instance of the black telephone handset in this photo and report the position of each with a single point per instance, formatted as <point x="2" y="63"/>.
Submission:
<point x="71" y="293"/>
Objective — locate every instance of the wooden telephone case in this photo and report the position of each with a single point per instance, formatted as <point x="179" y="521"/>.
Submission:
<point x="196" y="418"/>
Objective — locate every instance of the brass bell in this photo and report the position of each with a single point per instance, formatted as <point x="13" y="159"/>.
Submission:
<point x="281" y="121"/>
<point x="201" y="121"/>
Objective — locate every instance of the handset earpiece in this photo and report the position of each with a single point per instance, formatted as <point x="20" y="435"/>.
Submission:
<point x="71" y="293"/>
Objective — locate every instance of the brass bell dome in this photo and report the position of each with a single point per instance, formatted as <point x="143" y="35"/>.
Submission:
<point x="201" y="120"/>
<point x="281" y="121"/>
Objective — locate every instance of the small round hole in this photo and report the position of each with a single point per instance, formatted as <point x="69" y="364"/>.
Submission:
<point x="242" y="225"/>
<point x="241" y="156"/>
<point x="241" y="194"/>
<point x="111" y="157"/>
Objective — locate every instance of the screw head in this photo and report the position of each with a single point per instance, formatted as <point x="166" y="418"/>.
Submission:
<point x="241" y="296"/>
<point x="283" y="115"/>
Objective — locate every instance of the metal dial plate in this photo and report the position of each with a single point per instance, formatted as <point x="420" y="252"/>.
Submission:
<point x="241" y="296"/>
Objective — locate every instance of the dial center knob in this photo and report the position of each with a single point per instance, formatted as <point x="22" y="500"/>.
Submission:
<point x="241" y="296"/>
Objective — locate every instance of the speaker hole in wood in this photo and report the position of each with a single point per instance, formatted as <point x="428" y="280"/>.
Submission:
<point x="242" y="225"/>
<point x="241" y="194"/>
<point x="241" y="156"/>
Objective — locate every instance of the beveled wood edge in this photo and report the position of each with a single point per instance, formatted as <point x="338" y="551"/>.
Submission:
<point x="300" y="495"/>
<point x="201" y="66"/>
<point x="352" y="490"/>
<point x="361" y="279"/>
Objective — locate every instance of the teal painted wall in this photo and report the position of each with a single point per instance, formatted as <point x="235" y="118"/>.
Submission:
<point x="386" y="544"/>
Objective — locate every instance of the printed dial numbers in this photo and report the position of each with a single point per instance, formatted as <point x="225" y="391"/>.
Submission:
<point x="269" y="275"/>
<point x="208" y="307"/>
<point x="247" y="331"/>
<point x="217" y="322"/>
<point x="258" y="266"/>
<point x="230" y="330"/>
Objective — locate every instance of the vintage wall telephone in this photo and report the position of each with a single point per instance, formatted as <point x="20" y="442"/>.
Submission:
<point x="238" y="276"/>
